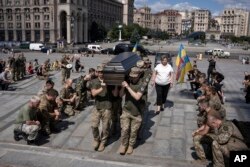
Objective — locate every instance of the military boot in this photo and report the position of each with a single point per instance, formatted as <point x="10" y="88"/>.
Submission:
<point x="95" y="144"/>
<point x="130" y="150"/>
<point x="101" y="147"/>
<point x="122" y="149"/>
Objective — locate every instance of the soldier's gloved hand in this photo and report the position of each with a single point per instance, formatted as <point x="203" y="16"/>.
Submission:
<point x="103" y="84"/>
<point x="124" y="84"/>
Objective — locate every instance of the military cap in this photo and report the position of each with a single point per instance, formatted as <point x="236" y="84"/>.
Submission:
<point x="146" y="60"/>
<point x="140" y="63"/>
<point x="99" y="68"/>
<point x="135" y="71"/>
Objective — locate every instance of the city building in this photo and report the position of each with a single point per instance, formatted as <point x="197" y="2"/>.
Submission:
<point x="167" y="20"/>
<point x="235" y="22"/>
<point x="201" y="18"/>
<point x="128" y="11"/>
<point x="142" y="16"/>
<point x="186" y="25"/>
<point x="105" y="12"/>
<point x="43" y="20"/>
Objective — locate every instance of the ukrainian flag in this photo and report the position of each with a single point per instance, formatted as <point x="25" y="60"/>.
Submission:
<point x="135" y="48"/>
<point x="183" y="64"/>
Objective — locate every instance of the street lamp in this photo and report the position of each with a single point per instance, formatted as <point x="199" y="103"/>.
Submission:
<point x="120" y="32"/>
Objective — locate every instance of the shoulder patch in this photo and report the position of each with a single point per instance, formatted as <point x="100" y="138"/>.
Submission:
<point x="142" y="88"/>
<point x="225" y="128"/>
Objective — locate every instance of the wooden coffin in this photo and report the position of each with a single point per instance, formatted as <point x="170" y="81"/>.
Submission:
<point x="118" y="68"/>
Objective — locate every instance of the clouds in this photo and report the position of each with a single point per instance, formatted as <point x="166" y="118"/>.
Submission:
<point x="157" y="6"/>
<point x="235" y="3"/>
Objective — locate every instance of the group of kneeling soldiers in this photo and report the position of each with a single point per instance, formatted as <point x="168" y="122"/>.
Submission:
<point x="214" y="131"/>
<point x="42" y="112"/>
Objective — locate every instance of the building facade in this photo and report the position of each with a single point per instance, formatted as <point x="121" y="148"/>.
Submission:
<point x="142" y="17"/>
<point x="128" y="11"/>
<point x="43" y="20"/>
<point x="168" y="20"/>
<point x="201" y="18"/>
<point x="235" y="22"/>
<point x="105" y="12"/>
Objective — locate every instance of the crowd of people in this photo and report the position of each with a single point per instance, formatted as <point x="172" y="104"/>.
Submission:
<point x="121" y="108"/>
<point x="215" y="133"/>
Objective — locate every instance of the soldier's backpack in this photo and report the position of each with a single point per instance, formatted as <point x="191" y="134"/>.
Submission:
<point x="244" y="128"/>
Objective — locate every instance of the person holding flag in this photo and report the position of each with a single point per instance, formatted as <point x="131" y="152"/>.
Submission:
<point x="183" y="64"/>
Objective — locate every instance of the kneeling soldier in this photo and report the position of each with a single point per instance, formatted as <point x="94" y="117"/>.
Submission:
<point x="27" y="123"/>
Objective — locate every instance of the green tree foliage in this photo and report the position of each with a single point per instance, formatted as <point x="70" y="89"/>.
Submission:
<point x="97" y="32"/>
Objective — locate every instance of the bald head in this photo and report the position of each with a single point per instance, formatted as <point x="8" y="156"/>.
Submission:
<point x="69" y="82"/>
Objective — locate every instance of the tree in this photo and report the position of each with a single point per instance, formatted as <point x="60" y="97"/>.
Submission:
<point x="97" y="32"/>
<point x="135" y="37"/>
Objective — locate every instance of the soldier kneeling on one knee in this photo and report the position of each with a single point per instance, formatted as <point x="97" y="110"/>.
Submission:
<point x="27" y="124"/>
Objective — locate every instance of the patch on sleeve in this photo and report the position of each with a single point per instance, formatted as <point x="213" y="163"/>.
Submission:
<point x="142" y="89"/>
<point x="225" y="128"/>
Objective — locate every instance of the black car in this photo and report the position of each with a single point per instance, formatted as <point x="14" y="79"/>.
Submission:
<point x="107" y="51"/>
<point x="124" y="47"/>
<point x="160" y="54"/>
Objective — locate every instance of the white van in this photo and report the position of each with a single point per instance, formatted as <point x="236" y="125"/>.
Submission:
<point x="95" y="48"/>
<point x="36" y="46"/>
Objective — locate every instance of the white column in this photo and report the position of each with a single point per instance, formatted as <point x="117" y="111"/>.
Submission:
<point x="85" y="27"/>
<point x="68" y="29"/>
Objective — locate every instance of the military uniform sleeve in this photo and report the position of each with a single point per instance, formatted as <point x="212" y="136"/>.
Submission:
<point x="63" y="93"/>
<point x="142" y="87"/>
<point x="26" y="116"/>
<point x="94" y="85"/>
<point x="225" y="135"/>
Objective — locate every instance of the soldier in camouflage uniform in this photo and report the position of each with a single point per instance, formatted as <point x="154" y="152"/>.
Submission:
<point x="69" y="98"/>
<point x="131" y="114"/>
<point x="49" y="113"/>
<point x="226" y="138"/>
<point x="27" y="122"/>
<point x="49" y="85"/>
<point x="22" y="66"/>
<point x="101" y="110"/>
<point x="13" y="66"/>
<point x="65" y="71"/>
<point x="82" y="88"/>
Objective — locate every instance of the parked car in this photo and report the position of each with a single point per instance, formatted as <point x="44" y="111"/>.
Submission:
<point x="36" y="46"/>
<point x="95" y="48"/>
<point x="220" y="53"/>
<point x="209" y="52"/>
<point x="107" y="51"/>
<point x="124" y="47"/>
<point x="24" y="45"/>
<point x="46" y="48"/>
<point x="160" y="54"/>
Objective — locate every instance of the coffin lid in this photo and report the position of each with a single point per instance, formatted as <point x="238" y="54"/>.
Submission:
<point x="122" y="62"/>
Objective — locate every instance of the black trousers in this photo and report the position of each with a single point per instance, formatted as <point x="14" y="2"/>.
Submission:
<point x="162" y="93"/>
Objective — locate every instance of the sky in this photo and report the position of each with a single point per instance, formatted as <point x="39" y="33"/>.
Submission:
<point x="215" y="6"/>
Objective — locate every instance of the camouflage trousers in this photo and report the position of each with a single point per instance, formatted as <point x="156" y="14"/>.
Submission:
<point x="130" y="125"/>
<point x="30" y="130"/>
<point x="198" y="140"/>
<point x="98" y="116"/>
<point x="65" y="74"/>
<point x="223" y="151"/>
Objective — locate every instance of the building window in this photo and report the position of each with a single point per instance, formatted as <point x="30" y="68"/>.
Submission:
<point x="46" y="17"/>
<point x="17" y="2"/>
<point x="36" y="2"/>
<point x="27" y="17"/>
<point x="36" y="10"/>
<point x="1" y="17"/>
<point x="8" y="2"/>
<point x="18" y="25"/>
<point x="46" y="2"/>
<point x="37" y="17"/>
<point x="28" y="25"/>
<point x="46" y="25"/>
<point x="63" y="1"/>
<point x="10" y="25"/>
<point x="10" y="18"/>
<point x="37" y="25"/>
<point x="2" y="25"/>
<point x="1" y="2"/>
<point x="26" y="2"/>
<point x="18" y="17"/>
<point x="46" y="9"/>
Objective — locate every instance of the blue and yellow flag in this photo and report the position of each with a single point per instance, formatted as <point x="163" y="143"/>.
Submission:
<point x="135" y="48"/>
<point x="183" y="64"/>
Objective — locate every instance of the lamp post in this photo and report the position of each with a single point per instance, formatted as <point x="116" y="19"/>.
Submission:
<point x="120" y="32"/>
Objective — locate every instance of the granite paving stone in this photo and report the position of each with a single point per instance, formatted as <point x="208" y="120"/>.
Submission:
<point x="163" y="132"/>
<point x="177" y="119"/>
<point x="161" y="148"/>
<point x="165" y="121"/>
